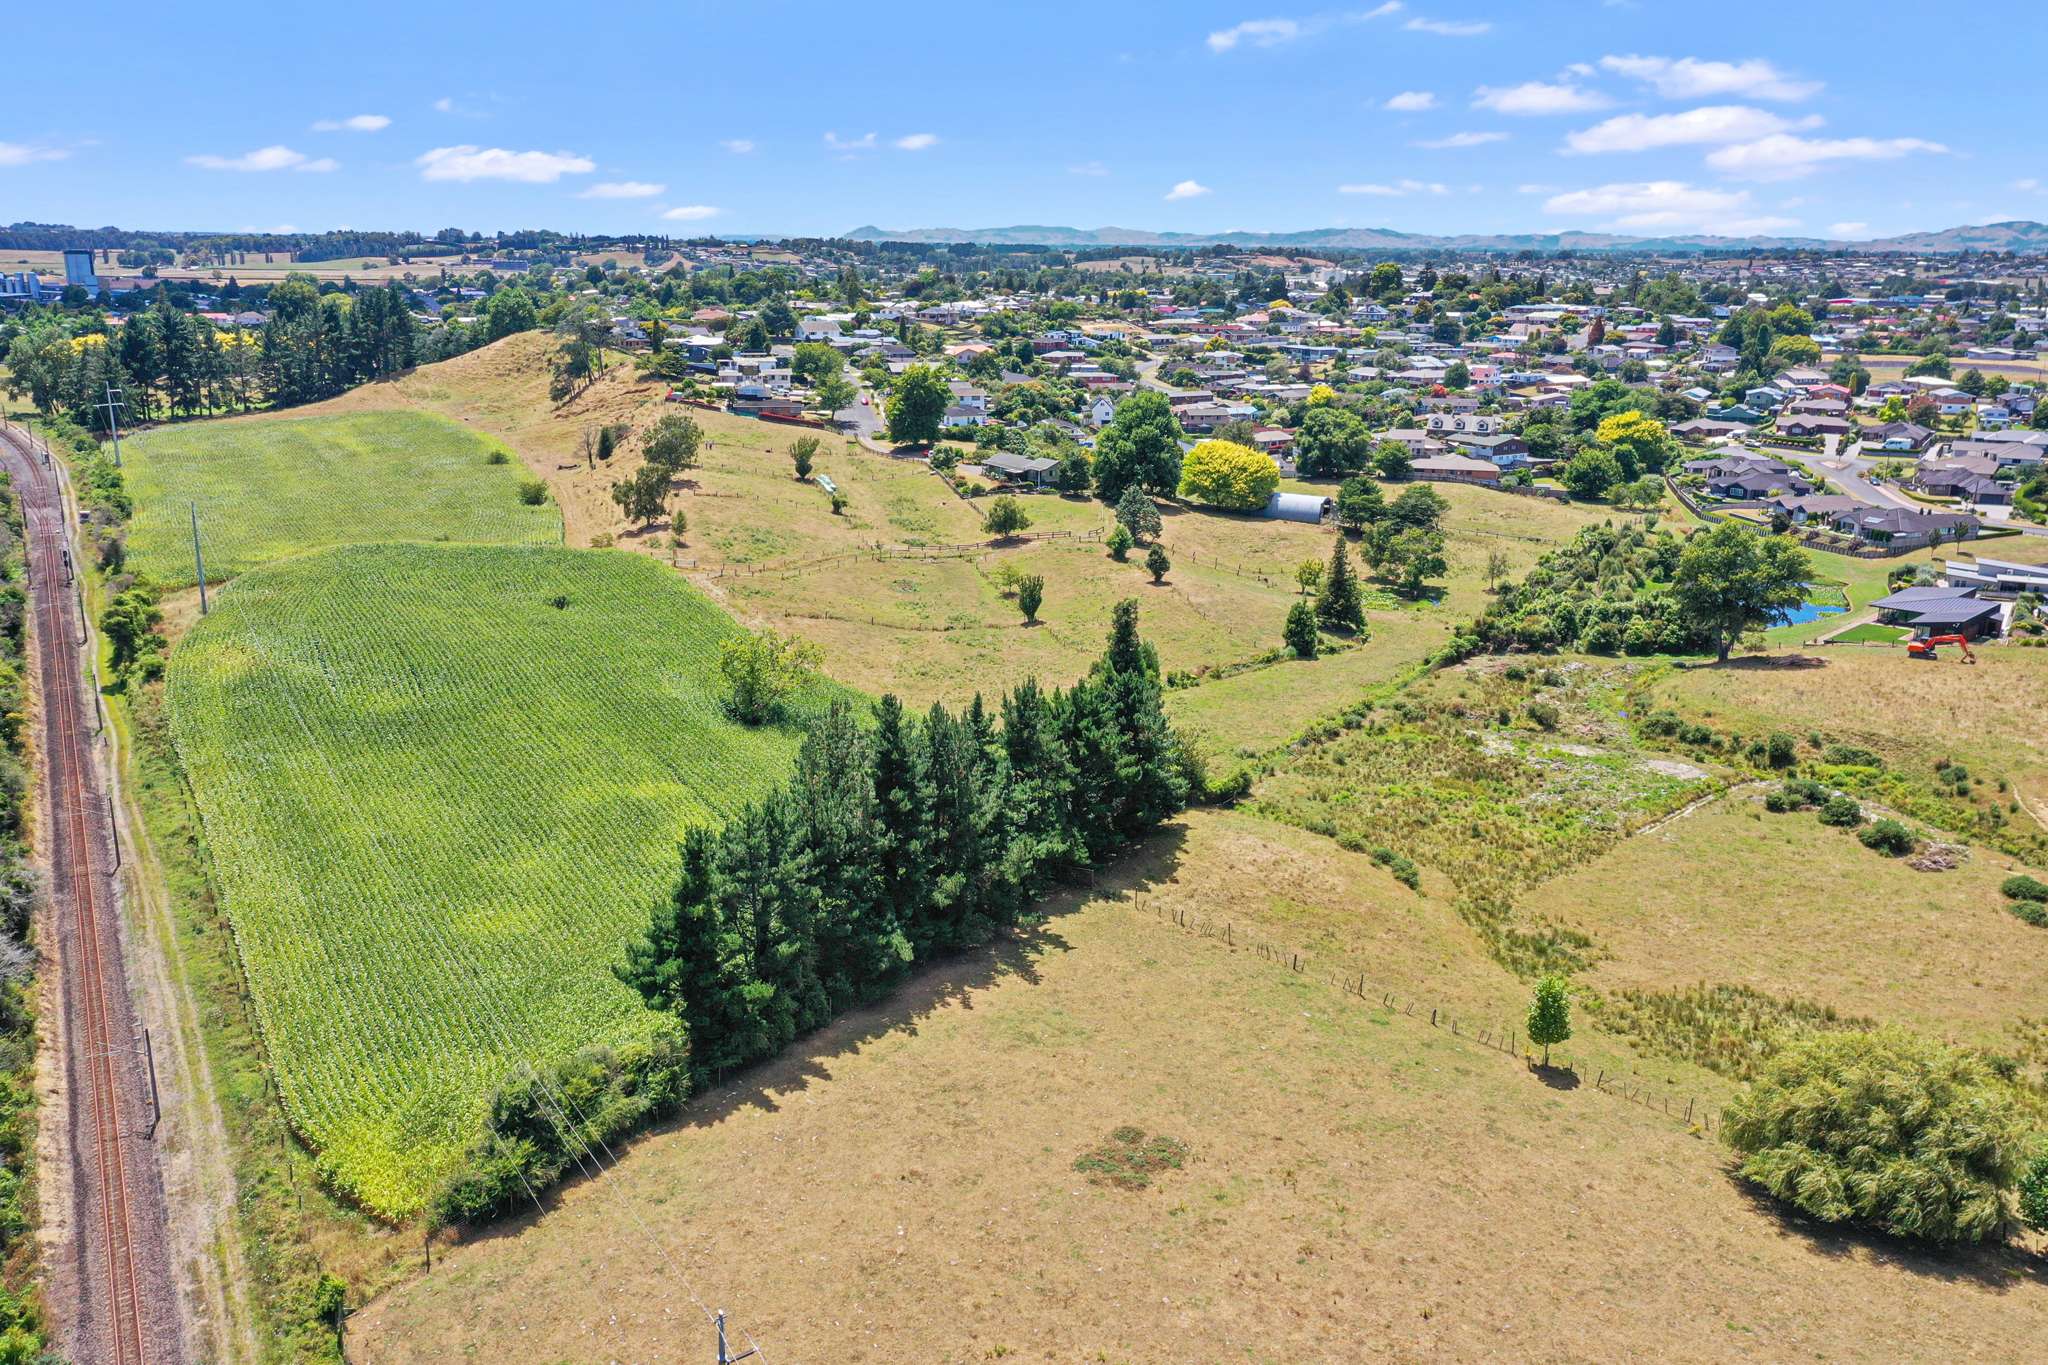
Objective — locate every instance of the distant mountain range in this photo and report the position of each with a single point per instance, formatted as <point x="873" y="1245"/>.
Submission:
<point x="2019" y="236"/>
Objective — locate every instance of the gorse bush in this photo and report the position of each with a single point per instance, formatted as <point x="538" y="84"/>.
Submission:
<point x="1888" y="837"/>
<point x="1883" y="1129"/>
<point x="1842" y="812"/>
<point x="2024" y="888"/>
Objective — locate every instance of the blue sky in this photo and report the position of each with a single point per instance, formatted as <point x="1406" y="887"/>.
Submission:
<point x="1428" y="115"/>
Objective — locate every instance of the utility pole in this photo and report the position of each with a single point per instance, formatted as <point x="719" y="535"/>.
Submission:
<point x="198" y="562"/>
<point x="724" y="1352"/>
<point x="113" y="422"/>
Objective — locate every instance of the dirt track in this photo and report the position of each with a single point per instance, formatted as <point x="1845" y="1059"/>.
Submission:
<point x="111" y="1292"/>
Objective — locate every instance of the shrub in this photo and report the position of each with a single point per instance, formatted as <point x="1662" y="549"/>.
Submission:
<point x="1404" y="871"/>
<point x="1888" y="837"/>
<point x="1884" y="1129"/>
<point x="1842" y="812"/>
<point x="1781" y="750"/>
<point x="533" y="492"/>
<point x="1543" y="714"/>
<point x="2034" y="1193"/>
<point x="1119" y="542"/>
<point x="1850" y="756"/>
<point x="2033" y="912"/>
<point x="1300" y="631"/>
<point x="1030" y="595"/>
<point x="2024" y="888"/>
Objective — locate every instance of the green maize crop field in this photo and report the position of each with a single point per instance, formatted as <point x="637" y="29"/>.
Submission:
<point x="437" y="805"/>
<point x="268" y="488"/>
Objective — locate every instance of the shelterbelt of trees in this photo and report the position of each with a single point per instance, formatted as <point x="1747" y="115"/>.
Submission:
<point x="167" y="362"/>
<point x="888" y="847"/>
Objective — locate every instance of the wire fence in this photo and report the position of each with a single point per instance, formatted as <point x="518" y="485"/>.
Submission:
<point x="1495" y="1035"/>
<point x="792" y="568"/>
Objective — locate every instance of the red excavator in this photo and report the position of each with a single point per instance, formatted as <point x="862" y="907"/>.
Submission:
<point x="1924" y="649"/>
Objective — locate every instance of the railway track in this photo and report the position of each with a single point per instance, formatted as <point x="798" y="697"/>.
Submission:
<point x="113" y="1291"/>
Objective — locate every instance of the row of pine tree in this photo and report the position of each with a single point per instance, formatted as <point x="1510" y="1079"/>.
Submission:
<point x="895" y="843"/>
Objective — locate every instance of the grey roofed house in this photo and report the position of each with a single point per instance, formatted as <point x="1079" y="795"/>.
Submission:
<point x="1803" y="424"/>
<point x="1309" y="507"/>
<point x="1952" y="609"/>
<point x="1912" y="434"/>
<point x="1805" y="507"/>
<point x="1900" y="526"/>
<point x="1032" y="469"/>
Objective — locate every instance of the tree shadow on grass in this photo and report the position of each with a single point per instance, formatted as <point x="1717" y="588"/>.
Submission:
<point x="1997" y="1268"/>
<point x="1556" y="1077"/>
<point x="953" y="981"/>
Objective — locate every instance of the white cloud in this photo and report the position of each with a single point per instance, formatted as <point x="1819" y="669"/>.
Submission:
<point x="1666" y="206"/>
<point x="2028" y="185"/>
<point x="263" y="159"/>
<point x="1848" y="229"/>
<point x="1400" y="189"/>
<point x="622" y="189"/>
<point x="1438" y="144"/>
<point x="1712" y="124"/>
<point x="690" y="213"/>
<point x="1784" y="157"/>
<point x="1538" y="97"/>
<point x="1689" y="78"/>
<point x="1257" y="32"/>
<point x="1275" y="32"/>
<point x="467" y="163"/>
<point x="355" y="123"/>
<point x="917" y="142"/>
<point x="864" y="143"/>
<point x="1449" y="28"/>
<point x="1412" y="101"/>
<point x="1187" y="189"/>
<point x="1094" y="168"/>
<point x="1536" y="189"/>
<point x="20" y="154"/>
<point x="738" y="146"/>
<point x="445" y="104"/>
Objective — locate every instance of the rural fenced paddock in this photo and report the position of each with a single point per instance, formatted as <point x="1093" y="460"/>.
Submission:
<point x="1497" y="1036"/>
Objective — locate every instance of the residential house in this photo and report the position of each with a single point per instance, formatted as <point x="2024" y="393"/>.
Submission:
<point x="1908" y="436"/>
<point x="1034" y="470"/>
<point x="1456" y="467"/>
<point x="1950" y="610"/>
<point x="1905" y="528"/>
<point x="1805" y="426"/>
<point x="1818" y="507"/>
<point x="1742" y="478"/>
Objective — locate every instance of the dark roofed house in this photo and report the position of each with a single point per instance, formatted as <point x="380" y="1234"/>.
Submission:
<point x="1742" y="477"/>
<point x="1032" y="469"/>
<point x="1901" y="436"/>
<point x="1940" y="611"/>
<point x="1805" y="507"/>
<point x="1703" y="429"/>
<point x="1804" y="424"/>
<point x="1904" y="528"/>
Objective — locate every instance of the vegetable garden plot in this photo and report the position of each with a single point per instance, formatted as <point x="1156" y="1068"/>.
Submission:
<point x="441" y="786"/>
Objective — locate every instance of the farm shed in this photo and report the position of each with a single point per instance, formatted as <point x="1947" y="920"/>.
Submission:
<point x="1309" y="507"/>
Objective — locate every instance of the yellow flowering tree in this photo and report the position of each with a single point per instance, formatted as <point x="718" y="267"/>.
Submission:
<point x="1226" y="474"/>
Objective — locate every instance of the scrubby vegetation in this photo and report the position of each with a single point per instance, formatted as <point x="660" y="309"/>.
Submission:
<point x="1885" y="1129"/>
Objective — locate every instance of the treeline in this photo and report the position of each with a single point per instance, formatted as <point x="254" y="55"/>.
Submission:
<point x="21" y="1322"/>
<point x="888" y="847"/>
<point x="165" y="362"/>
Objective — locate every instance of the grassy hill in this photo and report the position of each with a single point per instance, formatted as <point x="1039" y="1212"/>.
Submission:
<point x="269" y="487"/>
<point x="440" y="785"/>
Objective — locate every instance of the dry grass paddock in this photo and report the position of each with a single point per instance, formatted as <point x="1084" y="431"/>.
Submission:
<point x="1359" y="1186"/>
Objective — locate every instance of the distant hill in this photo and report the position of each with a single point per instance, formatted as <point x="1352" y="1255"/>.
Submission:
<point x="2020" y="236"/>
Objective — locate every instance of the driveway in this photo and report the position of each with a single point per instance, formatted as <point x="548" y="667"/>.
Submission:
<point x="865" y="420"/>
